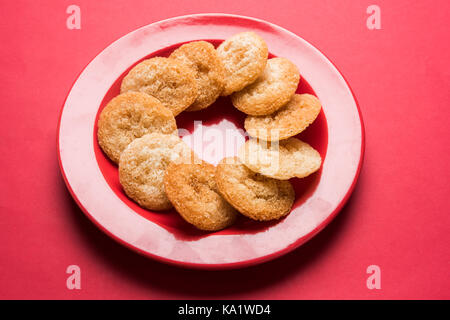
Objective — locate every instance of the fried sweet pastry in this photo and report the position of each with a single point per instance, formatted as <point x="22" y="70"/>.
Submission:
<point x="169" y="80"/>
<point x="282" y="159"/>
<point x="142" y="166"/>
<point x="244" y="57"/>
<point x="254" y="195"/>
<point x="129" y="116"/>
<point x="203" y="58"/>
<point x="272" y="90"/>
<point x="192" y="190"/>
<point x="286" y="122"/>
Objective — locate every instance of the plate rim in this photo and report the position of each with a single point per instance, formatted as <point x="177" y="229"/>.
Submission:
<point x="230" y="265"/>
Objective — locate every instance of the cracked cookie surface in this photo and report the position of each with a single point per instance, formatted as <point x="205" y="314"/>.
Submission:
<point x="192" y="190"/>
<point x="271" y="90"/>
<point x="129" y="116"/>
<point x="254" y="195"/>
<point x="286" y="122"/>
<point x="209" y="71"/>
<point x="282" y="159"/>
<point x="171" y="81"/>
<point x="244" y="57"/>
<point x="142" y="166"/>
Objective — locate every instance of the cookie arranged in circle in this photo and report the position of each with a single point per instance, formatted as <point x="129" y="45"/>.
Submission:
<point x="192" y="190"/>
<point x="209" y="72"/>
<point x="171" y="81"/>
<point x="142" y="166"/>
<point x="254" y="195"/>
<point x="272" y="90"/>
<point x="129" y="116"/>
<point x="290" y="120"/>
<point x="244" y="57"/>
<point x="282" y="159"/>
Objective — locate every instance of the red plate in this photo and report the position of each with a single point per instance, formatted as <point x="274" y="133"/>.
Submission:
<point x="92" y="179"/>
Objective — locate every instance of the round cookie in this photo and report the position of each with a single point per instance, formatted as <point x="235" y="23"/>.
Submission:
<point x="272" y="90"/>
<point x="169" y="80"/>
<point x="142" y="166"/>
<point x="129" y="116"/>
<point x="282" y="159"/>
<point x="290" y="120"/>
<point x="192" y="190"/>
<point x="244" y="57"/>
<point x="254" y="195"/>
<point x="202" y="57"/>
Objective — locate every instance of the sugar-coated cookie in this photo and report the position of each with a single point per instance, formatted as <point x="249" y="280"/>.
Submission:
<point x="142" y="166"/>
<point x="282" y="159"/>
<point x="129" y="116"/>
<point x="192" y="190"/>
<point x="290" y="120"/>
<point x="169" y="80"/>
<point x="244" y="57"/>
<point x="272" y="90"/>
<point x="209" y="72"/>
<point x="254" y="195"/>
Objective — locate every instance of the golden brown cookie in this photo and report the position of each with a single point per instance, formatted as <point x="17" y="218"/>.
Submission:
<point x="192" y="190"/>
<point x="244" y="57"/>
<point x="272" y="90"/>
<point x="169" y="80"/>
<point x="142" y="166"/>
<point x="202" y="57"/>
<point x="129" y="116"/>
<point x="254" y="195"/>
<point x="282" y="159"/>
<point x="290" y="120"/>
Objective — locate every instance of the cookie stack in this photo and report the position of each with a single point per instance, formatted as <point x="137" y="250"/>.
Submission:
<point x="137" y="130"/>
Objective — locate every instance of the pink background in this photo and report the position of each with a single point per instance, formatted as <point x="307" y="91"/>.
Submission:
<point x="399" y="214"/>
